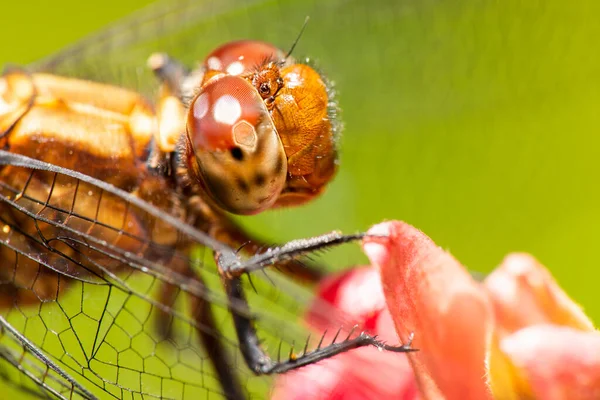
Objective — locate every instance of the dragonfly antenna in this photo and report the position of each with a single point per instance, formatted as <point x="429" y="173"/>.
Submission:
<point x="289" y="53"/>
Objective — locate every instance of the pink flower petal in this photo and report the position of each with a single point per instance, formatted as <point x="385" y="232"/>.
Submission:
<point x="360" y="374"/>
<point x="557" y="362"/>
<point x="429" y="293"/>
<point x="356" y="294"/>
<point x="524" y="293"/>
<point x="365" y="373"/>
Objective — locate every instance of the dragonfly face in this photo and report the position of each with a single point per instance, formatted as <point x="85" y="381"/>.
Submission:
<point x="111" y="192"/>
<point x="248" y="159"/>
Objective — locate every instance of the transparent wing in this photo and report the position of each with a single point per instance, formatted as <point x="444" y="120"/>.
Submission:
<point x="186" y="29"/>
<point x="39" y="375"/>
<point x="89" y="297"/>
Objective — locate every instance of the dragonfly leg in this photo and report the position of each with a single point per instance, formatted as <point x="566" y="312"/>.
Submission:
<point x="232" y="267"/>
<point x="236" y="237"/>
<point x="225" y="230"/>
<point x="261" y="364"/>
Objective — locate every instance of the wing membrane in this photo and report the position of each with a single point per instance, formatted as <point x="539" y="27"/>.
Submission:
<point x="187" y="30"/>
<point x="118" y="54"/>
<point x="94" y="306"/>
<point x="89" y="303"/>
<point x="40" y="370"/>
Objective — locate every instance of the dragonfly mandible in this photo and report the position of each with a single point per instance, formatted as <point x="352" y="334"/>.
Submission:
<point x="106" y="197"/>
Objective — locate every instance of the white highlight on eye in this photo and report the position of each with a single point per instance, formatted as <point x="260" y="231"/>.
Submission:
<point x="235" y="68"/>
<point x="227" y="110"/>
<point x="201" y="106"/>
<point x="214" y="63"/>
<point x="244" y="135"/>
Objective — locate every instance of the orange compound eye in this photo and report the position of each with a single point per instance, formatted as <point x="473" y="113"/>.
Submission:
<point x="304" y="114"/>
<point x="242" y="56"/>
<point x="234" y="151"/>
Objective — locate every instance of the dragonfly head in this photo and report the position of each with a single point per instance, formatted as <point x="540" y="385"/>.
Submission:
<point x="261" y="129"/>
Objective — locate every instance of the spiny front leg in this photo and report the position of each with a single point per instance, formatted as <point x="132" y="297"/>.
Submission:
<point x="257" y="359"/>
<point x="261" y="364"/>
<point x="226" y="231"/>
<point x="231" y="266"/>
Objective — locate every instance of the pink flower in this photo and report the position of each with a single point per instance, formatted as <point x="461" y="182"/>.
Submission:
<point x="516" y="335"/>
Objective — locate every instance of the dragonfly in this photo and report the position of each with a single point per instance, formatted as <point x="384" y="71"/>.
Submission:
<point x="107" y="202"/>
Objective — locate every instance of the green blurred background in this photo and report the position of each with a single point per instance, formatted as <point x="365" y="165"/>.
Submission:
<point x="476" y="121"/>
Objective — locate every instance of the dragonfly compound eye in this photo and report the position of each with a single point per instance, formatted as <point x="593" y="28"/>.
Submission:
<point x="299" y="102"/>
<point x="242" y="57"/>
<point x="240" y="162"/>
<point x="304" y="114"/>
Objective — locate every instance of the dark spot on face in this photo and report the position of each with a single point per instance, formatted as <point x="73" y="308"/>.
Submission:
<point x="237" y="153"/>
<point x="278" y="166"/>
<point x="259" y="179"/>
<point x="219" y="192"/>
<point x="242" y="184"/>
